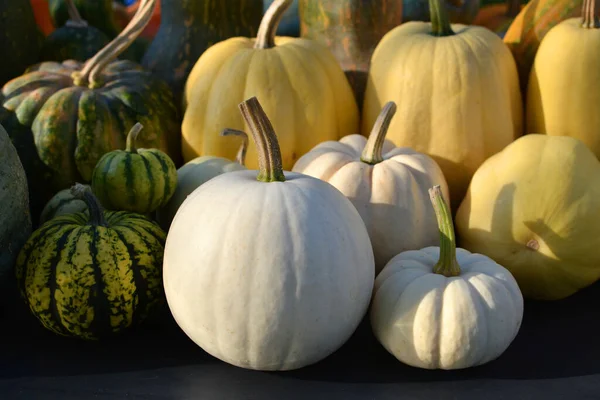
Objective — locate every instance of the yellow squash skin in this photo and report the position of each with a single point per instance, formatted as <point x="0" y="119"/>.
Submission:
<point x="458" y="96"/>
<point x="298" y="81"/>
<point x="563" y="95"/>
<point x="534" y="208"/>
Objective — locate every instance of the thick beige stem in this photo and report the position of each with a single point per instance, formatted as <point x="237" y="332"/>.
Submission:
<point x="373" y="149"/>
<point x="265" y="39"/>
<point x="588" y="15"/>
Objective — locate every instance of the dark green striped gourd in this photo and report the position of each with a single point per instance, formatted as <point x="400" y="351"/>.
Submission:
<point x="138" y="180"/>
<point x="92" y="275"/>
<point x="63" y="203"/>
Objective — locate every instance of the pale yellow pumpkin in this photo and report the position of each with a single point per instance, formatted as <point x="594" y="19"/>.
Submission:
<point x="298" y="82"/>
<point x="563" y="96"/>
<point x="457" y="91"/>
<point x="534" y="208"/>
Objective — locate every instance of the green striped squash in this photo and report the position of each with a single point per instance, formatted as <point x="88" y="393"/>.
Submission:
<point x="63" y="203"/>
<point x="92" y="275"/>
<point x="138" y="180"/>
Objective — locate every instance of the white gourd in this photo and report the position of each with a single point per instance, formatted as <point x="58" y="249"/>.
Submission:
<point x="443" y="307"/>
<point x="388" y="185"/>
<point x="268" y="272"/>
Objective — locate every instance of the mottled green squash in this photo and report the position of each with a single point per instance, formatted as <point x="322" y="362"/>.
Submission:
<point x="63" y="203"/>
<point x="15" y="220"/>
<point x="20" y="38"/>
<point x="138" y="180"/>
<point x="78" y="112"/>
<point x="189" y="27"/>
<point x="92" y="275"/>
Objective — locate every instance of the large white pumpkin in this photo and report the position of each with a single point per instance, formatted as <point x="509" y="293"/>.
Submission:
<point x="445" y="308"/>
<point x="273" y="273"/>
<point x="388" y="185"/>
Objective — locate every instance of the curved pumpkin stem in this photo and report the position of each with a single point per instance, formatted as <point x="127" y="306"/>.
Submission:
<point x="95" y="209"/>
<point x="372" y="151"/>
<point x="240" y="157"/>
<point x="588" y="15"/>
<point x="75" y="18"/>
<point x="130" y="145"/>
<point x="440" y="22"/>
<point x="90" y="74"/>
<point x="447" y="265"/>
<point x="265" y="39"/>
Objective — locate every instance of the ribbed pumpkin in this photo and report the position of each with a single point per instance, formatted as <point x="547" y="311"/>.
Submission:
<point x="76" y="40"/>
<point x="138" y="180"/>
<point x="298" y="82"/>
<point x="15" y="220"/>
<point x="92" y="275"/>
<point x="457" y="92"/>
<point x="78" y="112"/>
<point x="198" y="171"/>
<point x="563" y="97"/>
<point x="63" y="203"/>
<point x="498" y="17"/>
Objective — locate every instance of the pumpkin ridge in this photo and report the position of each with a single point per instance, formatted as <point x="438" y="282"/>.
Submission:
<point x="127" y="171"/>
<point x="102" y="307"/>
<point x="166" y="183"/>
<point x="149" y="203"/>
<point x="131" y="294"/>
<point x="53" y="284"/>
<point x="108" y="160"/>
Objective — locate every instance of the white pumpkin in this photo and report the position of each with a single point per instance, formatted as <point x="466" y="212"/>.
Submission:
<point x="198" y="171"/>
<point x="268" y="272"/>
<point x="443" y="307"/>
<point x="388" y="186"/>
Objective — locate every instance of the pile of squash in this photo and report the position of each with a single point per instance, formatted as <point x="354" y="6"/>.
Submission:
<point x="426" y="169"/>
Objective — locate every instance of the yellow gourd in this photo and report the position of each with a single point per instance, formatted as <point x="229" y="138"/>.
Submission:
<point x="298" y="81"/>
<point x="563" y="95"/>
<point x="457" y="92"/>
<point x="534" y="208"/>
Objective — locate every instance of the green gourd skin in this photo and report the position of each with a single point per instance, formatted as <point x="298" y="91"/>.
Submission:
<point x="63" y="203"/>
<point x="189" y="27"/>
<point x="137" y="180"/>
<point x="73" y="43"/>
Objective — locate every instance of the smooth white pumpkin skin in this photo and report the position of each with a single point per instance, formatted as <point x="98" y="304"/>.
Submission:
<point x="268" y="276"/>
<point x="391" y="197"/>
<point x="427" y="320"/>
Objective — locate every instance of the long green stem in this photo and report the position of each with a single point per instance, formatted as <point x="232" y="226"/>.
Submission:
<point x="440" y="22"/>
<point x="589" y="19"/>
<point x="95" y="209"/>
<point x="240" y="157"/>
<point x="270" y="167"/>
<point x="265" y="39"/>
<point x="447" y="264"/>
<point x="373" y="149"/>
<point x="130" y="145"/>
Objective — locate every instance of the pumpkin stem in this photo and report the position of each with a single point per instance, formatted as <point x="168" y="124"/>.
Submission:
<point x="75" y="18"/>
<point x="90" y="73"/>
<point x="270" y="167"/>
<point x="589" y="19"/>
<point x="447" y="264"/>
<point x="372" y="151"/>
<point x="513" y="8"/>
<point x="240" y="157"/>
<point x="95" y="209"/>
<point x="440" y="22"/>
<point x="265" y="39"/>
<point x="130" y="145"/>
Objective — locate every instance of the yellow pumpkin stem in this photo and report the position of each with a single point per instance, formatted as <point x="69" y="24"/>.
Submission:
<point x="270" y="167"/>
<point x="75" y="18"/>
<point x="447" y="265"/>
<point x="92" y="69"/>
<point x="240" y="157"/>
<point x="372" y="151"/>
<point x="440" y="22"/>
<point x="265" y="39"/>
<point x="95" y="209"/>
<point x="589" y="19"/>
<point x="130" y="145"/>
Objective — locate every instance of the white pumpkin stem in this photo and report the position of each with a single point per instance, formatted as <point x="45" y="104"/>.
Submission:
<point x="75" y="18"/>
<point x="447" y="265"/>
<point x="588" y="15"/>
<point x="265" y="39"/>
<point x="131" y="144"/>
<point x="270" y="166"/>
<point x="95" y="209"/>
<point x="240" y="157"/>
<point x="92" y="69"/>
<point x="440" y="22"/>
<point x="373" y="149"/>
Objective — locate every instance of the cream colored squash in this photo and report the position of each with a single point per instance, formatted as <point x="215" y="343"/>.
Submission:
<point x="268" y="270"/>
<point x="443" y="307"/>
<point x="457" y="91"/>
<point x="388" y="186"/>
<point x="298" y="81"/>
<point x="197" y="172"/>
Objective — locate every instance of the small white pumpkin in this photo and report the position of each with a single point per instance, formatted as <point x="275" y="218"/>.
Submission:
<point x="268" y="272"/>
<point x="388" y="186"/>
<point x="197" y="172"/>
<point x="443" y="307"/>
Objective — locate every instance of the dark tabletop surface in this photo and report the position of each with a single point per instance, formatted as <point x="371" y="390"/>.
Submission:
<point x="555" y="356"/>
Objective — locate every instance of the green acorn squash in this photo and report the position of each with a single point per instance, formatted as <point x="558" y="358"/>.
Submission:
<point x="63" y="203"/>
<point x="95" y="274"/>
